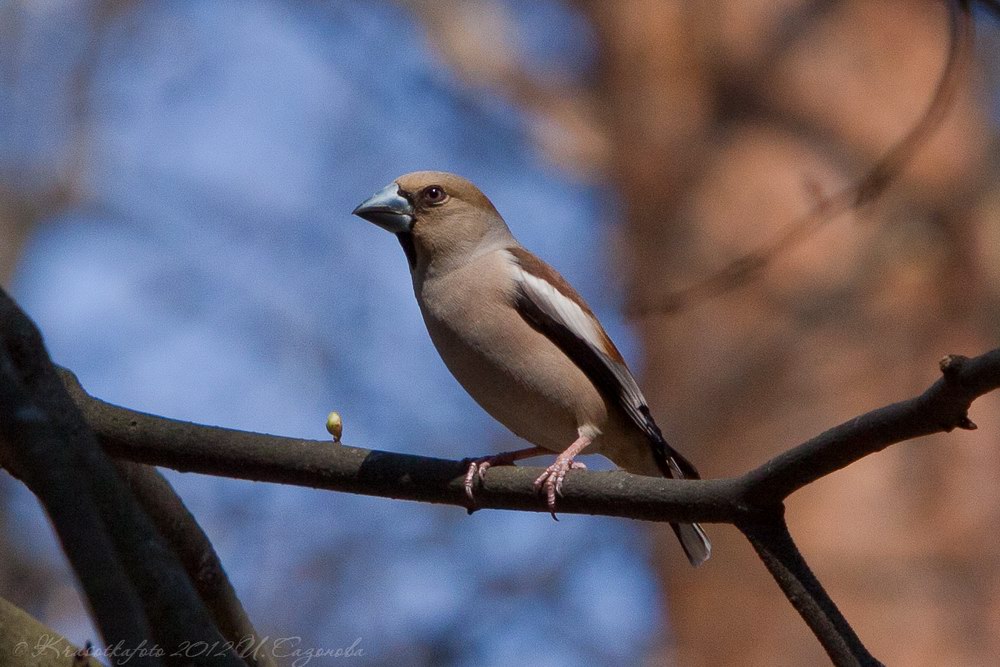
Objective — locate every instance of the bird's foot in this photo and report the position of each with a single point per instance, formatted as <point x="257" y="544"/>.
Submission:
<point x="552" y="479"/>
<point x="478" y="467"/>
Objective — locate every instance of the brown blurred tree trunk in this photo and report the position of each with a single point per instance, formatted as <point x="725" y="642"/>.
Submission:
<point x="724" y="120"/>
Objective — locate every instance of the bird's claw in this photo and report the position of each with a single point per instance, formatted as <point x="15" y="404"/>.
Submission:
<point x="478" y="468"/>
<point x="552" y="479"/>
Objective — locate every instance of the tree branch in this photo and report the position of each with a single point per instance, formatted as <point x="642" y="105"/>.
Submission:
<point x="941" y="408"/>
<point x="136" y="436"/>
<point x="26" y="642"/>
<point x="144" y="438"/>
<point x="196" y="553"/>
<point x="773" y="543"/>
<point x="61" y="462"/>
<point x="753" y="502"/>
<point x="40" y="457"/>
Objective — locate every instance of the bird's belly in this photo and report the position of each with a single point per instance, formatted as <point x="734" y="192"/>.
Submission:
<point x="532" y="389"/>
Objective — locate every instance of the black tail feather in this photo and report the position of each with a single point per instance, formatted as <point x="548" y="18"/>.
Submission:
<point x="692" y="537"/>
<point x="669" y="460"/>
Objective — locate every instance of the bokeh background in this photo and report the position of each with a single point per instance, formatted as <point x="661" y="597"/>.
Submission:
<point x="175" y="186"/>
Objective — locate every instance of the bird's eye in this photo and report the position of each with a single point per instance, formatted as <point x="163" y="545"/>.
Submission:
<point x="434" y="194"/>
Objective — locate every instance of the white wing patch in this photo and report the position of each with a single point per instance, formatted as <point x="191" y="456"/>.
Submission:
<point x="563" y="310"/>
<point x="570" y="315"/>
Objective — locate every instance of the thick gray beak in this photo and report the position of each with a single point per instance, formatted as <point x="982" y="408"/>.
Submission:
<point x="388" y="209"/>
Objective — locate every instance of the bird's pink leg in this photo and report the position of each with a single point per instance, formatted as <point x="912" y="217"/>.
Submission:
<point x="478" y="467"/>
<point x="554" y="475"/>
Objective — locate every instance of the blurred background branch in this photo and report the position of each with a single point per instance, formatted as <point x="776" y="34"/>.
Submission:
<point x="865" y="190"/>
<point x="21" y="636"/>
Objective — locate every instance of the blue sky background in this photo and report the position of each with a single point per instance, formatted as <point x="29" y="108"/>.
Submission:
<point x="213" y="272"/>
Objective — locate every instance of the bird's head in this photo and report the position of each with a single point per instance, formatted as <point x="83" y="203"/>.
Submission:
<point x="436" y="215"/>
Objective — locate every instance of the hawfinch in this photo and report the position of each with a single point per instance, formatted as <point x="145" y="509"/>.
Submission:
<point x="520" y="340"/>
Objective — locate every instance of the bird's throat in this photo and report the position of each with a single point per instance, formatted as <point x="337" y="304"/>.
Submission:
<point x="409" y="247"/>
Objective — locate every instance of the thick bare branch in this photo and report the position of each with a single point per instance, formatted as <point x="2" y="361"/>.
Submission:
<point x="184" y="446"/>
<point x="34" y="451"/>
<point x="61" y="461"/>
<point x="189" y="542"/>
<point x="135" y="436"/>
<point x="753" y="501"/>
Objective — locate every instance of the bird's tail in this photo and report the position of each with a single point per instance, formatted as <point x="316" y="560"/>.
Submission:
<point x="694" y="542"/>
<point x="670" y="463"/>
<point x="693" y="539"/>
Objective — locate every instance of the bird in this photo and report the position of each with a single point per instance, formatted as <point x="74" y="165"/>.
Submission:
<point x="521" y="341"/>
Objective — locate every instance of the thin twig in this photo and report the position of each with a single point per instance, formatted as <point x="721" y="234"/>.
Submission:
<point x="941" y="408"/>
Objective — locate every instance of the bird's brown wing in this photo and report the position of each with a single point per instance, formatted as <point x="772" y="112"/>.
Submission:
<point x="549" y="304"/>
